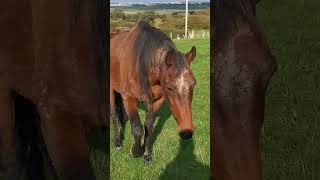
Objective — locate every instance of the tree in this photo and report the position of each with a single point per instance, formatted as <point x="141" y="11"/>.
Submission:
<point x="157" y="22"/>
<point x="118" y="14"/>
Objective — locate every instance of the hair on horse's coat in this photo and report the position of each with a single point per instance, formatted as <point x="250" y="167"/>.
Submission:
<point x="148" y="40"/>
<point x="226" y="13"/>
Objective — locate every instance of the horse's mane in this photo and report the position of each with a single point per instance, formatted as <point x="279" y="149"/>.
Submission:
<point x="148" y="40"/>
<point x="225" y="16"/>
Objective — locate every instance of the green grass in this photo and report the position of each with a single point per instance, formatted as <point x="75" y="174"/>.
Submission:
<point x="99" y="154"/>
<point x="172" y="158"/>
<point x="291" y="134"/>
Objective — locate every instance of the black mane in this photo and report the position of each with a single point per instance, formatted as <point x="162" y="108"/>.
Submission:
<point x="226" y="13"/>
<point x="225" y="16"/>
<point x="148" y="40"/>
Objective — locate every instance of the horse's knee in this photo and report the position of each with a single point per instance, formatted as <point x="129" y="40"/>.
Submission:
<point x="137" y="130"/>
<point x="150" y="117"/>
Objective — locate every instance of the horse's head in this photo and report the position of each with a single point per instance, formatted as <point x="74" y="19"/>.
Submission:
<point x="178" y="82"/>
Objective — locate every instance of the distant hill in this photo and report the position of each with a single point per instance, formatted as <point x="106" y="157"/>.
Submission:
<point x="155" y="1"/>
<point x="182" y="6"/>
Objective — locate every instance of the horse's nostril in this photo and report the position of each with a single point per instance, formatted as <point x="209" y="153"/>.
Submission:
<point x="186" y="134"/>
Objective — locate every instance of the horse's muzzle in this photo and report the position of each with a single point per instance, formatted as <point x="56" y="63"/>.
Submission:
<point x="186" y="134"/>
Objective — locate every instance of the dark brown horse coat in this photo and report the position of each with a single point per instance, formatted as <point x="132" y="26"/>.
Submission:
<point x="242" y="66"/>
<point x="53" y="54"/>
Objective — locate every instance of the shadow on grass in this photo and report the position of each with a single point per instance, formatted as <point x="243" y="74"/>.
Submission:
<point x="164" y="114"/>
<point x="99" y="152"/>
<point x="185" y="164"/>
<point x="99" y="140"/>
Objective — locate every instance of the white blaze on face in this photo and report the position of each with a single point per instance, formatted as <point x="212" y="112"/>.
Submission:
<point x="182" y="83"/>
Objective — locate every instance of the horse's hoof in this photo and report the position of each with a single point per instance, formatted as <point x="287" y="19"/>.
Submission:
<point x="117" y="144"/>
<point x="118" y="148"/>
<point x="147" y="160"/>
<point x="136" y="152"/>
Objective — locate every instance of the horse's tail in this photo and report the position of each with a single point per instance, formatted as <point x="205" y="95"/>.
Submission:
<point x="122" y="116"/>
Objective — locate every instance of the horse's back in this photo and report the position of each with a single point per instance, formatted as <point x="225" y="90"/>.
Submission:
<point x="121" y="45"/>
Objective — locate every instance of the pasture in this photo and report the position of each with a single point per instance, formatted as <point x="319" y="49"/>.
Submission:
<point x="167" y="20"/>
<point x="172" y="158"/>
<point x="291" y="133"/>
<point x="158" y="11"/>
<point x="99" y="153"/>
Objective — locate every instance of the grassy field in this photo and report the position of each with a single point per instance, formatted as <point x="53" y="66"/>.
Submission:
<point x="99" y="153"/>
<point x="158" y="11"/>
<point x="291" y="136"/>
<point x="168" y="21"/>
<point x="172" y="158"/>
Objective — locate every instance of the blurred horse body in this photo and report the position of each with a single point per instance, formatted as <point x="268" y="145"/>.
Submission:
<point x="242" y="66"/>
<point x="52" y="54"/>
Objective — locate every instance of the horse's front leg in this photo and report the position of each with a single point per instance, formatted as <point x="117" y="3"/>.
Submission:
<point x="131" y="108"/>
<point x="152" y="108"/>
<point x="9" y="161"/>
<point x="116" y="136"/>
<point x="66" y="143"/>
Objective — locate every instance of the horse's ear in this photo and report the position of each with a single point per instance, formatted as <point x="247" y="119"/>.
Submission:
<point x="191" y="54"/>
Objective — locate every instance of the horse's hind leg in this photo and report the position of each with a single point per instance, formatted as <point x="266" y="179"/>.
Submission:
<point x="9" y="161"/>
<point x="131" y="108"/>
<point x="114" y="118"/>
<point x="66" y="144"/>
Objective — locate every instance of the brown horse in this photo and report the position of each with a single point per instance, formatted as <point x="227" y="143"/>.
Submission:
<point x="52" y="56"/>
<point x="242" y="66"/>
<point x="146" y="66"/>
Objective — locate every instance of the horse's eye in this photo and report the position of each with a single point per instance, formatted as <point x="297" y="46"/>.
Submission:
<point x="170" y="88"/>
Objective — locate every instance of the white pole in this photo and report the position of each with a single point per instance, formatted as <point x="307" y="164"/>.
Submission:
<point x="186" y="23"/>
